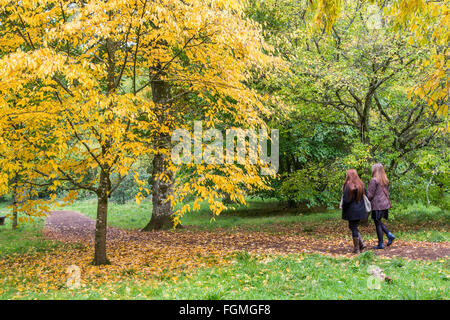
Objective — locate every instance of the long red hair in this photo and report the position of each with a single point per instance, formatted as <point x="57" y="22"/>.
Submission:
<point x="352" y="181"/>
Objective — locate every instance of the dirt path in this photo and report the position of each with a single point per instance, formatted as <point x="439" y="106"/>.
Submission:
<point x="70" y="226"/>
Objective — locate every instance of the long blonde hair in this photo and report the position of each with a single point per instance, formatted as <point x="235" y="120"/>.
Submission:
<point x="379" y="174"/>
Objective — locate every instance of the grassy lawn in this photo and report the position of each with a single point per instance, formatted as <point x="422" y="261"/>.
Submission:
<point x="270" y="216"/>
<point x="257" y="214"/>
<point x="305" y="276"/>
<point x="26" y="239"/>
<point x="301" y="276"/>
<point x="310" y="276"/>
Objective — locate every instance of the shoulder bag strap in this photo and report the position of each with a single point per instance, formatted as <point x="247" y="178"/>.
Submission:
<point x="385" y="193"/>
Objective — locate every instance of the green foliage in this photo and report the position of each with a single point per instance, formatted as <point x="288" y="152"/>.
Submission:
<point x="360" y="159"/>
<point x="308" y="153"/>
<point x="5" y="198"/>
<point x="312" y="185"/>
<point x="412" y="187"/>
<point x="129" y="188"/>
<point x="350" y="106"/>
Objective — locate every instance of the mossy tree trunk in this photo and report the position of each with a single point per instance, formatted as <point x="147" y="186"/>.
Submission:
<point x="162" y="177"/>
<point x="101" y="221"/>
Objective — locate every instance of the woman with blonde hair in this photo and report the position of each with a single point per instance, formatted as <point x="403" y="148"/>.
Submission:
<point x="353" y="208"/>
<point x="378" y="194"/>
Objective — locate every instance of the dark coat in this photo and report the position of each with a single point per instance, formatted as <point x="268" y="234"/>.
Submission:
<point x="352" y="209"/>
<point x="379" y="198"/>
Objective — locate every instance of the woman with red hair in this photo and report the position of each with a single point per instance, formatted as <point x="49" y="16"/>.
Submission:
<point x="353" y="207"/>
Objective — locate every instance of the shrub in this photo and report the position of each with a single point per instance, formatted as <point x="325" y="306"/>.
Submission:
<point x="419" y="212"/>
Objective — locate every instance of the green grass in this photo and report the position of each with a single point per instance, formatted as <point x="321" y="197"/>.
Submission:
<point x="126" y="216"/>
<point x="312" y="277"/>
<point x="425" y="235"/>
<point x="258" y="213"/>
<point x="425" y="225"/>
<point x="258" y="216"/>
<point x="305" y="276"/>
<point x="27" y="238"/>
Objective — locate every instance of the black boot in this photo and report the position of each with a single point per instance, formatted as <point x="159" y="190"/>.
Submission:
<point x="356" y="246"/>
<point x="391" y="238"/>
<point x="362" y="245"/>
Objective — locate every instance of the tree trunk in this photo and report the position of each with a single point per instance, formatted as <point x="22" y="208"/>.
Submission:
<point x="365" y="132"/>
<point x="364" y="127"/>
<point x="292" y="204"/>
<point x="101" y="223"/>
<point x="104" y="188"/>
<point x="15" y="208"/>
<point x="227" y="198"/>
<point x="162" y="188"/>
<point x="162" y="215"/>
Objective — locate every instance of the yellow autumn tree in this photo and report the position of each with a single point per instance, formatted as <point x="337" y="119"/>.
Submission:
<point x="86" y="88"/>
